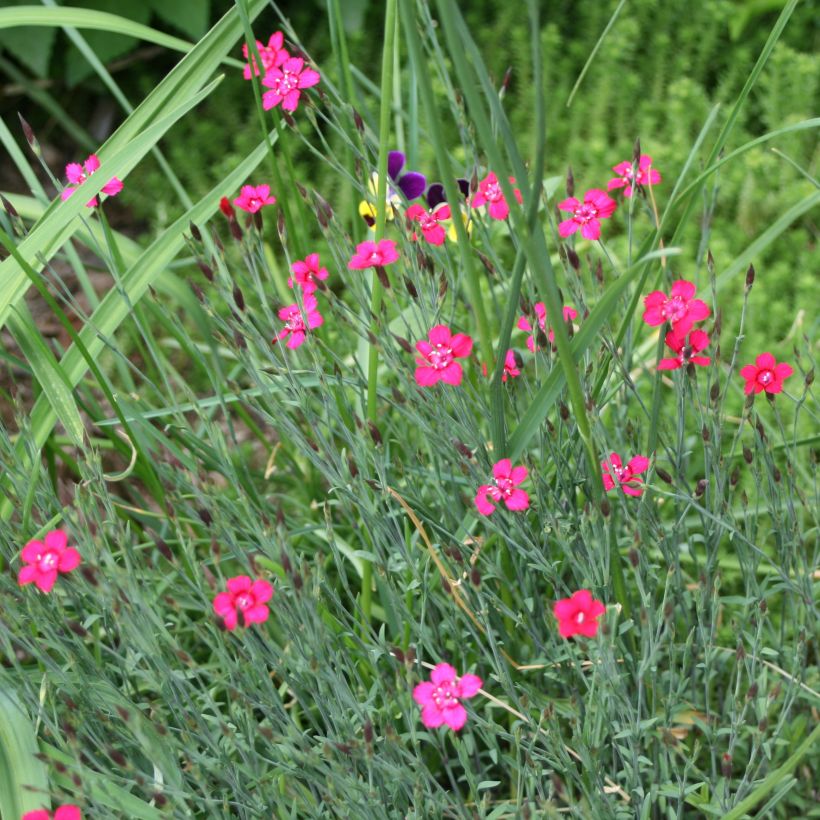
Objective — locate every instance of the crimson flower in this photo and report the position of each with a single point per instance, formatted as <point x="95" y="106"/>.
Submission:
<point x="299" y="320"/>
<point x="679" y="308"/>
<point x="440" y="697"/>
<point x="430" y="222"/>
<point x="437" y="361"/>
<point x="307" y="273"/>
<point x="45" y="559"/>
<point x="77" y="174"/>
<point x="272" y="55"/>
<point x="685" y="349"/>
<point x="507" y="478"/>
<point x="765" y="374"/>
<point x="644" y="175"/>
<point x="68" y="812"/>
<point x="245" y="596"/>
<point x="371" y="254"/>
<point x="511" y="367"/>
<point x="541" y="314"/>
<point x="286" y="83"/>
<point x="615" y="474"/>
<point x="252" y="198"/>
<point x="586" y="215"/>
<point x="578" y="615"/>
<point x="490" y="194"/>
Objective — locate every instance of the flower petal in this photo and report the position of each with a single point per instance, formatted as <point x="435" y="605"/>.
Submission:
<point x="469" y="685"/>
<point x="455" y="717"/>
<point x="69" y="560"/>
<point x="443" y="673"/>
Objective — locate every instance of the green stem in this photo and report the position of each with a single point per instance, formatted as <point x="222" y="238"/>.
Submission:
<point x="377" y="292"/>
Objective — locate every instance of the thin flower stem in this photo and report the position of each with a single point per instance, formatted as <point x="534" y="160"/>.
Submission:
<point x="377" y="292"/>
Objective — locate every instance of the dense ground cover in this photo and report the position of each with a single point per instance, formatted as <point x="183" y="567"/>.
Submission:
<point x="318" y="508"/>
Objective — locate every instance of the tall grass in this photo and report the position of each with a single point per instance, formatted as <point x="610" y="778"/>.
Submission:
<point x="179" y="448"/>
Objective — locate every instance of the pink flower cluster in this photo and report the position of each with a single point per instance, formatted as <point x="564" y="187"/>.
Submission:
<point x="299" y="319"/>
<point x="285" y="76"/>
<point x="541" y="316"/>
<point x="67" y="812"/>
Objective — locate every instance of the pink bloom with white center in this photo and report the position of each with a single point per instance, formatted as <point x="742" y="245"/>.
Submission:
<point x="253" y="198"/>
<point x="765" y="374"/>
<point x="440" y="697"/>
<point x="586" y="215"/>
<point x="272" y="55"/>
<point x="44" y="559"/>
<point x="77" y="174"/>
<point x="645" y="175"/>
<point x="299" y="320"/>
<point x="286" y="83"/>
<point x="430" y="222"/>
<point x="68" y="812"/>
<point x="679" y="308"/>
<point x="374" y="255"/>
<point x="245" y="596"/>
<point x="578" y="615"/>
<point x="490" y="194"/>
<point x="438" y="357"/>
<point x="685" y="349"/>
<point x="511" y="367"/>
<point x="541" y="314"/>
<point x="616" y="475"/>
<point x="307" y="273"/>
<point x="507" y="478"/>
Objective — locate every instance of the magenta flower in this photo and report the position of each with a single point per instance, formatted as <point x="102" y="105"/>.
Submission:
<point x="440" y="697"/>
<point x="541" y="314"/>
<point x="586" y="215"/>
<point x="307" y="273"/>
<point x="646" y="175"/>
<point x="371" y="254"/>
<point x="245" y="596"/>
<point x="299" y="320"/>
<point x="685" y="349"/>
<point x="45" y="559"/>
<point x="678" y="308"/>
<point x="766" y="374"/>
<point x="272" y="55"/>
<point x="286" y="83"/>
<point x="68" y="812"/>
<point x="490" y="194"/>
<point x="615" y="474"/>
<point x="438" y="357"/>
<point x="511" y="367"/>
<point x="430" y="222"/>
<point x="578" y="615"/>
<point x="507" y="478"/>
<point x="253" y="198"/>
<point x="77" y="174"/>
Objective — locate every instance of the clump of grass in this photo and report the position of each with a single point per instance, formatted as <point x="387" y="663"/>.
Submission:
<point x="206" y="452"/>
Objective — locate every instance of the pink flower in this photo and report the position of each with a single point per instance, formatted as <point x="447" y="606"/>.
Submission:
<point x="68" y="812"/>
<point x="429" y="221"/>
<point x="245" y="596"/>
<point x="578" y="615"/>
<point x="438" y="355"/>
<point x="77" y="174"/>
<point x="371" y="254"/>
<point x="507" y="478"/>
<point x="541" y="314"/>
<point x="299" y="320"/>
<point x="685" y="350"/>
<point x="286" y="83"/>
<point x="306" y="273"/>
<point x="489" y="193"/>
<point x="252" y="198"/>
<point x="272" y="55"/>
<point x="617" y="475"/>
<point x="586" y="215"/>
<point x="440" y="697"/>
<point x="679" y="307"/>
<point x="45" y="560"/>
<point x="646" y="175"/>
<point x="510" y="367"/>
<point x="766" y="374"/>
